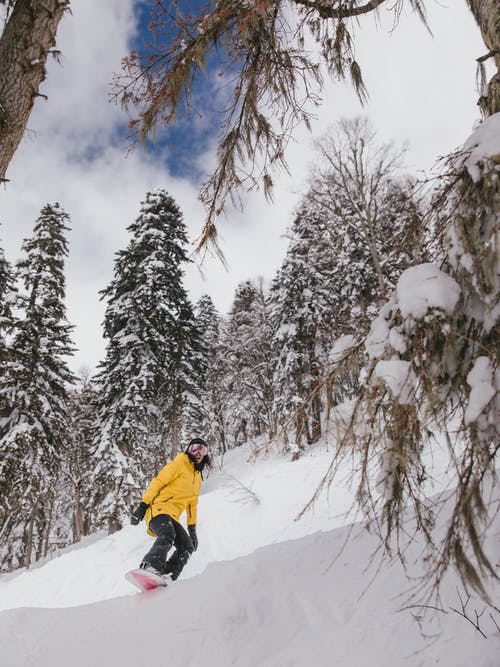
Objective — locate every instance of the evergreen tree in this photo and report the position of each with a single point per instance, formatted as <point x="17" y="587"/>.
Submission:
<point x="75" y="478"/>
<point x="268" y="53"/>
<point x="303" y="313"/>
<point x="248" y="368"/>
<point x="434" y="370"/>
<point x="35" y="387"/>
<point x="356" y="287"/>
<point x="7" y="298"/>
<point x="213" y="425"/>
<point x="148" y="378"/>
<point x="183" y="416"/>
<point x="357" y="228"/>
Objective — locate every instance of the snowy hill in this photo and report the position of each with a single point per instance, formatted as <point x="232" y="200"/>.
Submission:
<point x="262" y="590"/>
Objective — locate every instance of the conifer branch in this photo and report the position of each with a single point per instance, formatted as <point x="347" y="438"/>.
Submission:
<point x="274" y="83"/>
<point x="340" y="10"/>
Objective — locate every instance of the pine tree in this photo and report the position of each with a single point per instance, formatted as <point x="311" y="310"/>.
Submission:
<point x="183" y="416"/>
<point x="7" y="298"/>
<point x="75" y="479"/>
<point x="266" y="46"/>
<point x="358" y="226"/>
<point x="35" y="387"/>
<point x="303" y="312"/>
<point x="433" y="374"/>
<point x="213" y="424"/>
<point x="248" y="368"/>
<point x="148" y="378"/>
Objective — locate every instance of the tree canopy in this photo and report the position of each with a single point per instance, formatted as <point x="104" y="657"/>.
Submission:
<point x="273" y="76"/>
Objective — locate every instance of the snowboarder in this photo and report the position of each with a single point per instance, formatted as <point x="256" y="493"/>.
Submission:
<point x="173" y="491"/>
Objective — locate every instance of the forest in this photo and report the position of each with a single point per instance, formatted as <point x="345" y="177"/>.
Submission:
<point x="333" y="342"/>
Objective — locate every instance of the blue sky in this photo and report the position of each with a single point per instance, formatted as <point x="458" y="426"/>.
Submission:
<point x="422" y="90"/>
<point x="181" y="143"/>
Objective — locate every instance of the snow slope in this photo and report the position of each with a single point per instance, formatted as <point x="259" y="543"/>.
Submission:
<point x="262" y="590"/>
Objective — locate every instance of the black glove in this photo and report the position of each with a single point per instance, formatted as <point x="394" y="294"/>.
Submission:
<point x="193" y="535"/>
<point x="138" y="514"/>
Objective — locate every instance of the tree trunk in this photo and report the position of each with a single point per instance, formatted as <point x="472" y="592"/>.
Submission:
<point x="25" y="558"/>
<point x="315" y="407"/>
<point x="302" y="428"/>
<point x="221" y="429"/>
<point x="78" y="524"/>
<point x="370" y="240"/>
<point x="175" y="430"/>
<point x="46" y="515"/>
<point x="487" y="15"/>
<point x="114" y="525"/>
<point x="26" y="41"/>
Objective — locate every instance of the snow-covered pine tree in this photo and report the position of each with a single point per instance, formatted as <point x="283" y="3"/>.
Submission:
<point x="74" y="488"/>
<point x="303" y="311"/>
<point x="7" y="298"/>
<point x="248" y="367"/>
<point x="148" y="375"/>
<point x="35" y="387"/>
<point x="357" y="228"/>
<point x="213" y="425"/>
<point x="185" y="372"/>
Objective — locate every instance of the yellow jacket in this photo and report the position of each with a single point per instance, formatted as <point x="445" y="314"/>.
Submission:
<point x="176" y="488"/>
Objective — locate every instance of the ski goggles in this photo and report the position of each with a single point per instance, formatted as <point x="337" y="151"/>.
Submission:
<point x="197" y="449"/>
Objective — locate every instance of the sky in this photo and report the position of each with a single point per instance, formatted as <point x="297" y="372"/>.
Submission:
<point x="422" y="90"/>
<point x="262" y="588"/>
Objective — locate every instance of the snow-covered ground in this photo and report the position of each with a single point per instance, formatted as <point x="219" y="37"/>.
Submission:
<point x="263" y="589"/>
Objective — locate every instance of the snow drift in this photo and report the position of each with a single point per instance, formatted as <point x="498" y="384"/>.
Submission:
<point x="320" y="599"/>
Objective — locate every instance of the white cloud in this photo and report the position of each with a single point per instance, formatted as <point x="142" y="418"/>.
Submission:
<point x="93" y="39"/>
<point x="421" y="89"/>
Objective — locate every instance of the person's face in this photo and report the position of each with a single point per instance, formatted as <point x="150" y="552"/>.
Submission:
<point x="198" y="451"/>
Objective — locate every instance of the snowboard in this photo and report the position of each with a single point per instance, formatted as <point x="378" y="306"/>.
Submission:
<point x="147" y="581"/>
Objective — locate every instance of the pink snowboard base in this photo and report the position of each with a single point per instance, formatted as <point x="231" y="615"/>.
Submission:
<point x="146" y="581"/>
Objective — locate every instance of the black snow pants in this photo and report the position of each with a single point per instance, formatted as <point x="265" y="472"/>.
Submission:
<point x="169" y="534"/>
